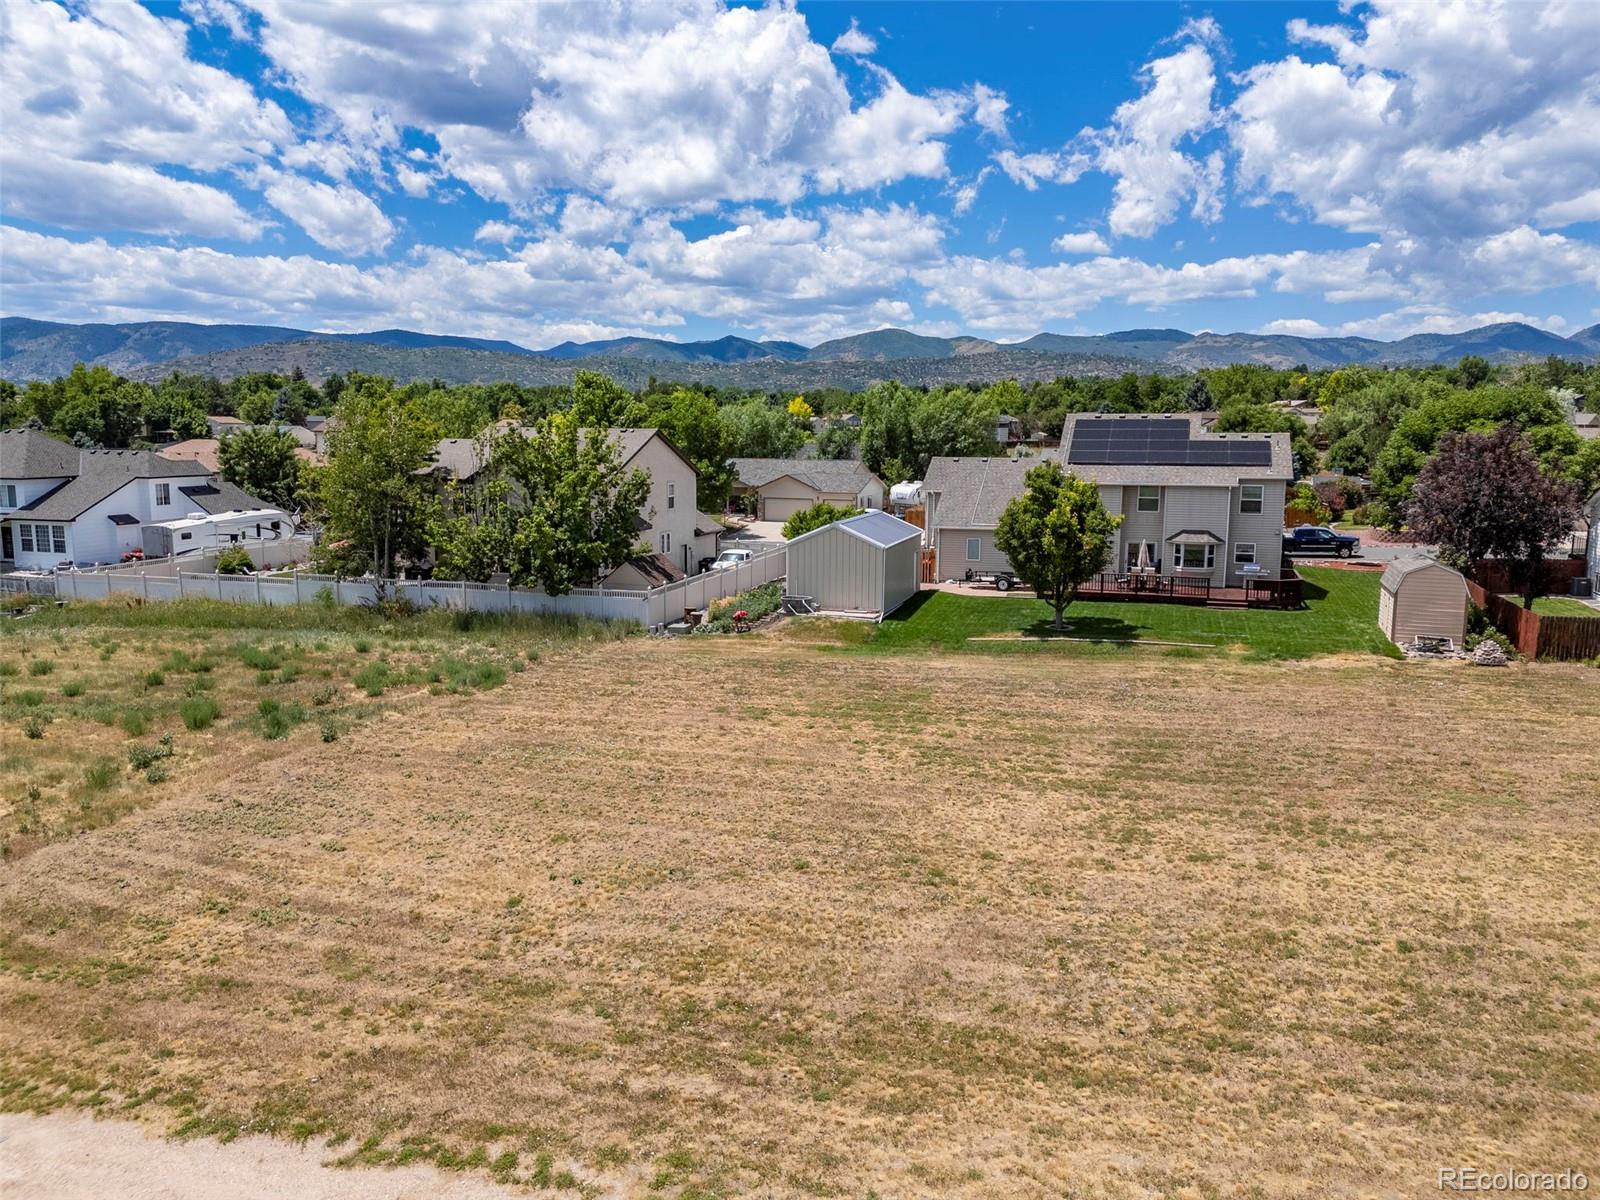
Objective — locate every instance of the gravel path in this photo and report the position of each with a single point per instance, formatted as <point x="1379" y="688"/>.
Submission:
<point x="67" y="1156"/>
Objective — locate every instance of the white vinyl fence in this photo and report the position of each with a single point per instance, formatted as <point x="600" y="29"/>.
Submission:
<point x="658" y="606"/>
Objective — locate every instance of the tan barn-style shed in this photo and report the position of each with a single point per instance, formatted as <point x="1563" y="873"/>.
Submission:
<point x="866" y="565"/>
<point x="1420" y="597"/>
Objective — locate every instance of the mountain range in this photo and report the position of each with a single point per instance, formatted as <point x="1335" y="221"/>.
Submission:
<point x="31" y="349"/>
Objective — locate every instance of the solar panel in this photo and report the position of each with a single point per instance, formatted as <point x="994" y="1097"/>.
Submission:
<point x="1160" y="441"/>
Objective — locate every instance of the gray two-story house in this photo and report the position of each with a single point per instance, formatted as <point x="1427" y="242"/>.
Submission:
<point x="1195" y="504"/>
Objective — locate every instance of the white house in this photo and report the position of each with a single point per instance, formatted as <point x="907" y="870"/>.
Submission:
<point x="1195" y="504"/>
<point x="60" y="504"/>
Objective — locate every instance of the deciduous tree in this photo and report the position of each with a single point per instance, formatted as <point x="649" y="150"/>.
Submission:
<point x="1057" y="535"/>
<point x="262" y="461"/>
<point x="1486" y="496"/>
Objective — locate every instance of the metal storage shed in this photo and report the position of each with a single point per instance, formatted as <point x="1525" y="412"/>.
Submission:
<point x="867" y="565"/>
<point x="1419" y="597"/>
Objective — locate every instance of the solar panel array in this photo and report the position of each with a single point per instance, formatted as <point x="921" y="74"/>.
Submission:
<point x="1160" y="441"/>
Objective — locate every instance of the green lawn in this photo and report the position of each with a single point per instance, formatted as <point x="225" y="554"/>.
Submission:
<point x="1557" y="606"/>
<point x="1341" y="616"/>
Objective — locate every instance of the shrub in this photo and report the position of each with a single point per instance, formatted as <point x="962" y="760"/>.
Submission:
<point x="330" y="731"/>
<point x="73" y="688"/>
<point x="323" y="695"/>
<point x="142" y="758"/>
<point x="9" y="668"/>
<point x="255" y="656"/>
<point x="235" y="560"/>
<point x="154" y="679"/>
<point x="816" y="517"/>
<point x="135" y="722"/>
<point x="36" y="724"/>
<point x="100" y="775"/>
<point x="28" y="699"/>
<point x="362" y="646"/>
<point x="41" y="666"/>
<point x="157" y="773"/>
<point x="373" y="678"/>
<point x="198" y="712"/>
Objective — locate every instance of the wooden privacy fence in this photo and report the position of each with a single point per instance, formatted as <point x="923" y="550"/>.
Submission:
<point x="1495" y="575"/>
<point x="655" y="607"/>
<point x="1535" y="636"/>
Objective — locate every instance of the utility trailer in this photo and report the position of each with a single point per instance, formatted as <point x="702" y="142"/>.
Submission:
<point x="1003" y="581"/>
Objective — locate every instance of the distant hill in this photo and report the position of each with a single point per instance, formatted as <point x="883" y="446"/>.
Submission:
<point x="885" y="344"/>
<point x="725" y="349"/>
<point x="32" y="349"/>
<point x="1589" y="337"/>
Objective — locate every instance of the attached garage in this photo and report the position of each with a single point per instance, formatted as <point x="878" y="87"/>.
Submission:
<point x="1420" y="597"/>
<point x="782" y="487"/>
<point x="864" y="566"/>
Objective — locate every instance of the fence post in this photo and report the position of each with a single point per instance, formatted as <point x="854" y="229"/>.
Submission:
<point x="258" y="587"/>
<point x="144" y="585"/>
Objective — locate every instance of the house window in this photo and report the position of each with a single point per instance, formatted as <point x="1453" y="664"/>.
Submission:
<point x="672" y="495"/>
<point x="25" y="537"/>
<point x="1244" y="552"/>
<point x="1252" y="498"/>
<point x="163" y="494"/>
<point x="1196" y="558"/>
<point x="1149" y="499"/>
<point x="974" y="549"/>
<point x="8" y="495"/>
<point x="1134" y="549"/>
<point x="58" y="538"/>
<point x="666" y="543"/>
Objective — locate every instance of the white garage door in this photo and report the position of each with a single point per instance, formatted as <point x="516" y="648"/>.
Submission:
<point x="781" y="508"/>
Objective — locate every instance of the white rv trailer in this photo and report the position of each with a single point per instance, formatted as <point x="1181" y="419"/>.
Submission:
<point x="202" y="531"/>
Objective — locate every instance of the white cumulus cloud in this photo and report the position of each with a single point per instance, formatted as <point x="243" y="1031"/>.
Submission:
<point x="336" y="216"/>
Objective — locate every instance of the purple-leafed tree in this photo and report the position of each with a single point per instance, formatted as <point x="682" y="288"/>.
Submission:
<point x="1483" y="495"/>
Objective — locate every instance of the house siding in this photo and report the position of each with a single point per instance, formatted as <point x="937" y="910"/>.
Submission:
<point x="951" y="557"/>
<point x="666" y="467"/>
<point x="1204" y="508"/>
<point x="843" y="573"/>
<point x="1265" y="529"/>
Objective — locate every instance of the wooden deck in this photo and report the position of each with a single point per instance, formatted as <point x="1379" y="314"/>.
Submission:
<point x="1166" y="589"/>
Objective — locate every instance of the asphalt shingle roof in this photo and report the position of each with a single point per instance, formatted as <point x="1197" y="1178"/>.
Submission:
<point x="219" y="496"/>
<point x="100" y="473"/>
<point x="823" y="474"/>
<point x="462" y="458"/>
<point x="34" y="454"/>
<point x="973" y="492"/>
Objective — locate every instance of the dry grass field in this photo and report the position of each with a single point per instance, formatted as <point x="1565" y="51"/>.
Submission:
<point x="756" y="917"/>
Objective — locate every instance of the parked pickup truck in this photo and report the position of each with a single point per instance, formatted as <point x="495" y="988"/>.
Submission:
<point x="1319" y="539"/>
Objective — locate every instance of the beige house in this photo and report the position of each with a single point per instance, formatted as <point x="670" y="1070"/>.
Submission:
<point x="677" y="533"/>
<point x="1195" y="504"/>
<point x="1420" y="597"/>
<point x="785" y="486"/>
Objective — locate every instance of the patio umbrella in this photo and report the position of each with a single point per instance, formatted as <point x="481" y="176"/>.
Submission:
<point x="1144" y="556"/>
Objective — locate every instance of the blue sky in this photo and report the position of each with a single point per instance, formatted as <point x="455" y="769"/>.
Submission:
<point x="688" y="169"/>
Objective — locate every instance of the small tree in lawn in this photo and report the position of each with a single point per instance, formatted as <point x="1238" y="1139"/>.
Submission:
<point x="1057" y="535"/>
<point x="1485" y="496"/>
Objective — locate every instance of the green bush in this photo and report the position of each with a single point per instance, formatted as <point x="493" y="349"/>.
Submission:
<point x="9" y="668"/>
<point x="154" y="679"/>
<point x="255" y="656"/>
<point x="330" y="731"/>
<point x="816" y="517"/>
<point x="41" y="666"/>
<point x="235" y="560"/>
<point x="28" y="699"/>
<point x="135" y="722"/>
<point x="373" y="678"/>
<point x="101" y="775"/>
<point x="142" y="758"/>
<point x="73" y="688"/>
<point x="758" y="602"/>
<point x="198" y="712"/>
<point x="157" y="773"/>
<point x="36" y="724"/>
<point x="323" y="695"/>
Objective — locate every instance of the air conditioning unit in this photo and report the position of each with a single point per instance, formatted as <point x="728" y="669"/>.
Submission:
<point x="1583" y="586"/>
